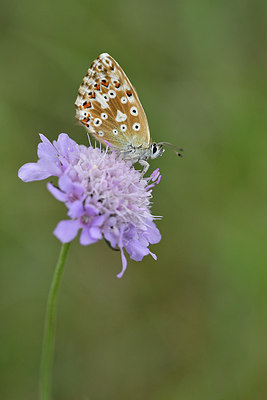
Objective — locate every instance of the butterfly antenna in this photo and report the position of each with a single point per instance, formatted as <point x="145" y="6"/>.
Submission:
<point x="177" y="150"/>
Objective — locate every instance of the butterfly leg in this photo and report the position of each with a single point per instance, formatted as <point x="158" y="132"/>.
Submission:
<point x="145" y="164"/>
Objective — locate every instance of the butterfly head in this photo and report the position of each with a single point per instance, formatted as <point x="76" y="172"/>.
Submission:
<point x="156" y="150"/>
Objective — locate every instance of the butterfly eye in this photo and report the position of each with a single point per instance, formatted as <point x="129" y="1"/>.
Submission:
<point x="104" y="116"/>
<point x="123" y="100"/>
<point x="111" y="94"/>
<point x="115" y="132"/>
<point x="100" y="133"/>
<point x="136" y="126"/>
<point x="123" y="128"/>
<point x="97" y="122"/>
<point x="155" y="148"/>
<point x="133" y="111"/>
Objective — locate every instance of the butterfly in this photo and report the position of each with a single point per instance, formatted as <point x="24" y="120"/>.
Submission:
<point x="108" y="107"/>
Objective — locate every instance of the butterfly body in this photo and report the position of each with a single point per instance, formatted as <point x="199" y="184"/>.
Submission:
<point x="108" y="107"/>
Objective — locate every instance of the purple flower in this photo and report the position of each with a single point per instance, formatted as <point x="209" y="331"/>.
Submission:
<point x="104" y="195"/>
<point x="53" y="159"/>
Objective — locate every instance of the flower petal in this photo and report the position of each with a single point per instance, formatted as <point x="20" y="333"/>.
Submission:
<point x="76" y="209"/>
<point x="65" y="183"/>
<point x="111" y="238"/>
<point x="67" y="230"/>
<point x="67" y="148"/>
<point x="124" y="264"/>
<point x="123" y="258"/>
<point x="99" y="219"/>
<point x="150" y="186"/>
<point x="159" y="179"/>
<point x="153" y="255"/>
<point x="56" y="192"/>
<point x="74" y="191"/>
<point x="91" y="210"/>
<point x="95" y="232"/>
<point x="32" y="172"/>
<point x="135" y="250"/>
<point x="86" y="238"/>
<point x="154" y="175"/>
<point x="152" y="234"/>
<point x="54" y="167"/>
<point x="46" y="149"/>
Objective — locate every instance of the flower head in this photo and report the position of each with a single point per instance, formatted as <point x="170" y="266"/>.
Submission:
<point x="104" y="195"/>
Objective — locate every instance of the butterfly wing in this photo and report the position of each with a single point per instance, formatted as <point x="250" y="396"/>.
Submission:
<point x="109" y="108"/>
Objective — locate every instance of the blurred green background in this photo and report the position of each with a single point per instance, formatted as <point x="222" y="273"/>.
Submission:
<point x="192" y="325"/>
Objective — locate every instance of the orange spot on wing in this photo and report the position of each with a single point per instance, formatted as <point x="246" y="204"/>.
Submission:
<point x="129" y="93"/>
<point x="92" y="95"/>
<point x="85" y="124"/>
<point x="117" y="85"/>
<point x="87" y="104"/>
<point x="104" y="83"/>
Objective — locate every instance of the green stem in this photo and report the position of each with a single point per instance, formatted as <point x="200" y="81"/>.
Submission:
<point x="49" y="329"/>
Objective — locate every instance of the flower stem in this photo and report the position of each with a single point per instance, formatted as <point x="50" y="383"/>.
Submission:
<point x="49" y="329"/>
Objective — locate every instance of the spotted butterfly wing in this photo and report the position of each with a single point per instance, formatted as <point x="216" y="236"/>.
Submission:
<point x="109" y="108"/>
